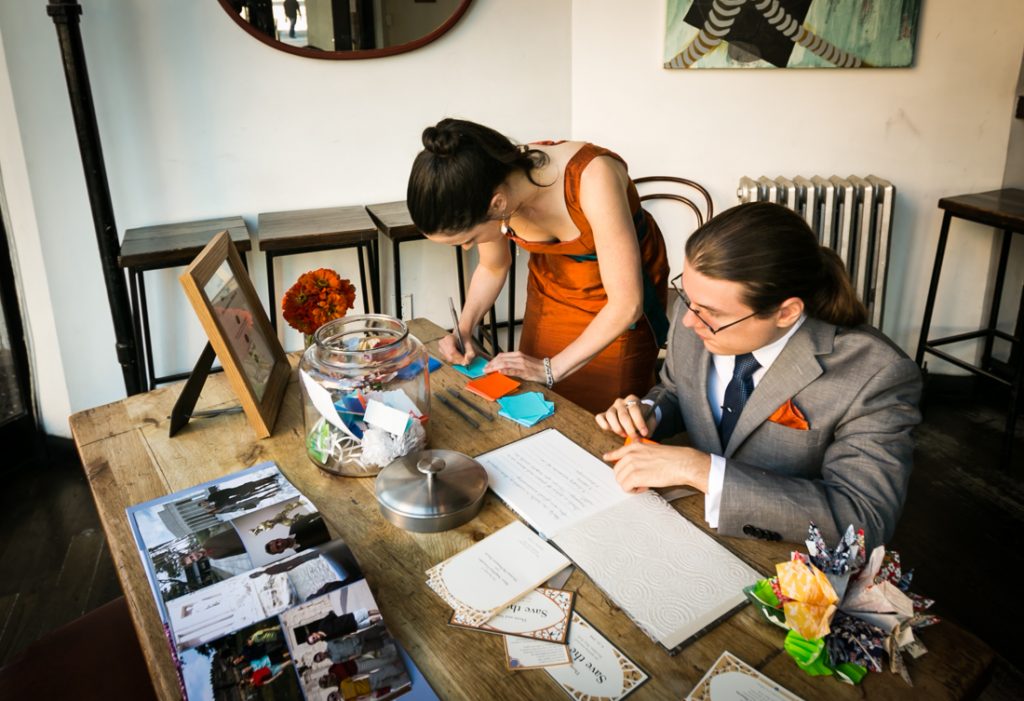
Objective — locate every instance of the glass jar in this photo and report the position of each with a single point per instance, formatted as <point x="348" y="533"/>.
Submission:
<point x="366" y="394"/>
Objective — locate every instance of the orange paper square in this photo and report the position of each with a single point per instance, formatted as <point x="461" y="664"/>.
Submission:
<point x="492" y="386"/>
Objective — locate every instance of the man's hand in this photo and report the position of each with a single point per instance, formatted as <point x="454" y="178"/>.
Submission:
<point x="640" y="466"/>
<point x="628" y="417"/>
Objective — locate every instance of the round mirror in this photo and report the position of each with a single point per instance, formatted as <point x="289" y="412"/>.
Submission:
<point x="345" y="28"/>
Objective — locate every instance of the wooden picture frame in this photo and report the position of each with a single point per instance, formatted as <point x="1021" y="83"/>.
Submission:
<point x="224" y="299"/>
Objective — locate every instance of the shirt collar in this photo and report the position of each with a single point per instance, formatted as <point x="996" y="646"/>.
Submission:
<point x="765" y="355"/>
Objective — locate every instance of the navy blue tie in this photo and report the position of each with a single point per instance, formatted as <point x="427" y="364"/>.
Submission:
<point x="736" y="394"/>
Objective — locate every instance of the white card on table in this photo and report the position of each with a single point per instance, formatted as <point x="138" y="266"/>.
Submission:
<point x="543" y="614"/>
<point x="732" y="679"/>
<point x="599" y="669"/>
<point x="524" y="653"/>
<point x="486" y="577"/>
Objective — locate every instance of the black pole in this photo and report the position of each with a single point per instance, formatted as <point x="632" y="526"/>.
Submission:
<point x="65" y="14"/>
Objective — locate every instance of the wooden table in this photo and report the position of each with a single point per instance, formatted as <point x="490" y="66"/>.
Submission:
<point x="129" y="458"/>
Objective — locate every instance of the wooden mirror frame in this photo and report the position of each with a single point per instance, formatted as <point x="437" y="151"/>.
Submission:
<point x="355" y="53"/>
<point x="260" y="409"/>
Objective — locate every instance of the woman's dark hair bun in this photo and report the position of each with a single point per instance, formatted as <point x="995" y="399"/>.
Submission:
<point x="441" y="140"/>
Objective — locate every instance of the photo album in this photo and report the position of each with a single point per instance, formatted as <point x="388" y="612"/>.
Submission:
<point x="257" y="601"/>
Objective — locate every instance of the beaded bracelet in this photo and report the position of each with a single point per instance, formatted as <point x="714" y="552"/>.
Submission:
<point x="550" y="376"/>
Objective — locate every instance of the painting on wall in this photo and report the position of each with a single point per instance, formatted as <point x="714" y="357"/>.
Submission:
<point x="790" y="33"/>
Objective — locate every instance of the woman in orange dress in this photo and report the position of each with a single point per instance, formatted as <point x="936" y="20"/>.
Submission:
<point x="595" y="307"/>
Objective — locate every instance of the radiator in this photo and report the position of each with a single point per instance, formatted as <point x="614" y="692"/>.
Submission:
<point x="852" y="216"/>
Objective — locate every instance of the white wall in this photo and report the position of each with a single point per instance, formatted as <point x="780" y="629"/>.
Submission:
<point x="939" y="128"/>
<point x="32" y="278"/>
<point x="198" y="120"/>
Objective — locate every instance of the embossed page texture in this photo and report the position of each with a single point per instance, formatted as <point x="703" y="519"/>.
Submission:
<point x="669" y="576"/>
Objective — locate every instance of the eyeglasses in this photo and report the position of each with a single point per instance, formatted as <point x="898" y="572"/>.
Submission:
<point x="676" y="284"/>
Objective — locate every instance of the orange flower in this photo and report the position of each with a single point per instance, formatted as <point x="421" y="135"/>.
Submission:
<point x="317" y="297"/>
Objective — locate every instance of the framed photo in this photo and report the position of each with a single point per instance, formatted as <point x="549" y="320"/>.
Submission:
<point x="226" y="303"/>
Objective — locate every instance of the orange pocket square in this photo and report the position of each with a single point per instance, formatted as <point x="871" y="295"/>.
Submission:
<point x="789" y="415"/>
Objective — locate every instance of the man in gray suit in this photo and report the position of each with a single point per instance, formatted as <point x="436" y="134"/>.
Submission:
<point x="795" y="410"/>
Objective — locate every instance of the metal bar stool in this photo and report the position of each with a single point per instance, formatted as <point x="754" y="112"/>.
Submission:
<point x="167" y="246"/>
<point x="1003" y="209"/>
<point x="308" y="230"/>
<point x="395" y="223"/>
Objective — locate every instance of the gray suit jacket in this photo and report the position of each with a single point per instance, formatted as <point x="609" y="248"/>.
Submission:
<point x="859" y="394"/>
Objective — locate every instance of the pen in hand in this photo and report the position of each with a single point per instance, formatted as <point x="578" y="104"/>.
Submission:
<point x="460" y="345"/>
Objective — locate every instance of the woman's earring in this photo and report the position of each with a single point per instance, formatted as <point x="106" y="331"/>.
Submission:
<point x="505" y="228"/>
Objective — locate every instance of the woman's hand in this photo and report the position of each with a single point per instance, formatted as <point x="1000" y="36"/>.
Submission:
<point x="518" y="365"/>
<point x="450" y="351"/>
<point x="639" y="466"/>
<point x="626" y="418"/>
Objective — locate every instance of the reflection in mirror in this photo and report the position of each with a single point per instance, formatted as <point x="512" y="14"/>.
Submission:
<point x="346" y="28"/>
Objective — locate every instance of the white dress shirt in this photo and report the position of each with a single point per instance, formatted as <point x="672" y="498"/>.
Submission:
<point x="718" y="380"/>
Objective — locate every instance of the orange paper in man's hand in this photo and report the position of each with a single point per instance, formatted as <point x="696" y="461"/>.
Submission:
<point x="639" y="439"/>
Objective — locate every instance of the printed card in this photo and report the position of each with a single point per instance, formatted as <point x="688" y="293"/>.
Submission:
<point x="484" y="579"/>
<point x="732" y="679"/>
<point x="599" y="669"/>
<point x="543" y="614"/>
<point x="523" y="653"/>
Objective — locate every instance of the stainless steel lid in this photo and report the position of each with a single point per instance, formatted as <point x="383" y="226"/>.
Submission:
<point x="431" y="490"/>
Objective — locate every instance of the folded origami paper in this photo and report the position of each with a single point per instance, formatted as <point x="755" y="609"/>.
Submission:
<point x="845" y="616"/>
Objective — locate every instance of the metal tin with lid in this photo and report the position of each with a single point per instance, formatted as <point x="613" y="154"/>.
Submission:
<point x="431" y="490"/>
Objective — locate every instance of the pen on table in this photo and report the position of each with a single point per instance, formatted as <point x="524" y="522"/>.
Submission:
<point x="460" y="345"/>
<point x="471" y="405"/>
<point x="469" y="419"/>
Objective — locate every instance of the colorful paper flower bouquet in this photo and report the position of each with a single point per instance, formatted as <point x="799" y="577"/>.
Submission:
<point x="845" y="615"/>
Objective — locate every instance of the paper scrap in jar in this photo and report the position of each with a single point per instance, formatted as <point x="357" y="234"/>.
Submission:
<point x="396" y="399"/>
<point x="525" y="653"/>
<point x="323" y="403"/>
<point x="379" y="414"/>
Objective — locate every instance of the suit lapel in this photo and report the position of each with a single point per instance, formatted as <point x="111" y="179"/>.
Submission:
<point x="701" y="426"/>
<point x="795" y="368"/>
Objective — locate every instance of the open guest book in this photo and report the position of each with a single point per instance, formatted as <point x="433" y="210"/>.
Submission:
<point x="671" y="578"/>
